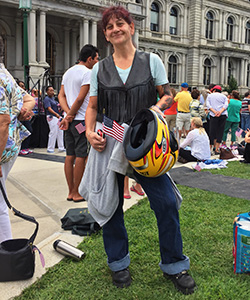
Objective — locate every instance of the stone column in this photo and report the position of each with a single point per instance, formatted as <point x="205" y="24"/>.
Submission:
<point x="136" y="38"/>
<point x="183" y="68"/>
<point x="32" y="36"/>
<point x="94" y="33"/>
<point x="42" y="43"/>
<point x="66" y="48"/>
<point x="242" y="72"/>
<point x="74" y="49"/>
<point x="226" y="69"/>
<point x="108" y="50"/>
<point x="222" y="70"/>
<point x="85" y="32"/>
<point x="81" y="35"/>
<point x="19" y="46"/>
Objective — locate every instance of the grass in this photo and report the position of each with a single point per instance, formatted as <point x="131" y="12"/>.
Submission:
<point x="235" y="169"/>
<point x="206" y="220"/>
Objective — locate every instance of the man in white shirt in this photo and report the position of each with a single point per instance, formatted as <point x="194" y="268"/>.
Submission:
<point x="74" y="98"/>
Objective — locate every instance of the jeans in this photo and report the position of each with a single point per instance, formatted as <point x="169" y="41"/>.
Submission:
<point x="245" y="123"/>
<point x="163" y="202"/>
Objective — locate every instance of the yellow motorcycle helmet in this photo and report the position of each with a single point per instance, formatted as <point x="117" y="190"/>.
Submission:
<point x="149" y="145"/>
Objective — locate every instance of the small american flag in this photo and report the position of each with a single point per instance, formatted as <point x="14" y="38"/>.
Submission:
<point x="113" y="129"/>
<point x="59" y="121"/>
<point x="80" y="127"/>
<point x="238" y="132"/>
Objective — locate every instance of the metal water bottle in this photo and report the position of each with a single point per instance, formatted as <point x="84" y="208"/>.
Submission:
<point x="68" y="250"/>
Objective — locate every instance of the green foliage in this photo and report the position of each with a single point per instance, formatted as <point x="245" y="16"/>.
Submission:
<point x="232" y="85"/>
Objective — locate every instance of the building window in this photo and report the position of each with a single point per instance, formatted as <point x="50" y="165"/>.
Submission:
<point x="248" y="75"/>
<point x="172" y="69"/>
<point x="209" y="25"/>
<point x="154" y="25"/>
<point x="247" y="39"/>
<point x="230" y="26"/>
<point x="50" y="52"/>
<point x="173" y="20"/>
<point x="207" y="71"/>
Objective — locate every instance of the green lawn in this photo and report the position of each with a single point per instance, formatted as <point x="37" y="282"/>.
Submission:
<point x="206" y="220"/>
<point x="234" y="169"/>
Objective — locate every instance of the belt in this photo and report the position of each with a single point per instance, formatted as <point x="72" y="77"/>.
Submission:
<point x="184" y="112"/>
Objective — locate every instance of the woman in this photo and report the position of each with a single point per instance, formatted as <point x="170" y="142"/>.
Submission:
<point x="217" y="104"/>
<point x="171" y="112"/>
<point x="15" y="105"/>
<point x="233" y="119"/>
<point x="122" y="84"/>
<point x="198" y="140"/>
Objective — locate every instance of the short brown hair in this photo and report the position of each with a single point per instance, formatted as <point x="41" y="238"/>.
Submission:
<point x="195" y="94"/>
<point x="115" y="11"/>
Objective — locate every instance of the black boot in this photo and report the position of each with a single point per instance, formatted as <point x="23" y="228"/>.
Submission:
<point x="183" y="282"/>
<point x="121" y="278"/>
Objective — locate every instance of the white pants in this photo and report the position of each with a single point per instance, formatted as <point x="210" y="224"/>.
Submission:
<point x="5" y="228"/>
<point x="55" y="134"/>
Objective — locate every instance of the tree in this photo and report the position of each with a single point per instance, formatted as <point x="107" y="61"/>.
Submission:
<point x="232" y="85"/>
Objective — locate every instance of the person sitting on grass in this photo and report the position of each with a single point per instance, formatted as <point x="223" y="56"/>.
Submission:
<point x="198" y="141"/>
<point x="246" y="155"/>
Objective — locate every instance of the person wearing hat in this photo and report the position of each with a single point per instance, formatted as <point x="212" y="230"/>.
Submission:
<point x="217" y="104"/>
<point x="183" y="99"/>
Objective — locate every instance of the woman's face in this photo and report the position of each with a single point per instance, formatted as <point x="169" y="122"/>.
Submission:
<point x="118" y="31"/>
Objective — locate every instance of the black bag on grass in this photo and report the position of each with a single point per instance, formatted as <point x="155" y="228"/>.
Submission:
<point x="17" y="258"/>
<point x="80" y="221"/>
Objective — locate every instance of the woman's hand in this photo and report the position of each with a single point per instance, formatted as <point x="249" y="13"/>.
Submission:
<point x="96" y="141"/>
<point x="25" y="115"/>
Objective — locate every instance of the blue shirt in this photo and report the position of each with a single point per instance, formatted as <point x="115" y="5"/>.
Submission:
<point x="50" y="102"/>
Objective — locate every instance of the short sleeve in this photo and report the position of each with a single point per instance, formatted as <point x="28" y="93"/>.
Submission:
<point x="46" y="103"/>
<point x="4" y="102"/>
<point x="86" y="78"/>
<point x="93" y="81"/>
<point x="158" y="70"/>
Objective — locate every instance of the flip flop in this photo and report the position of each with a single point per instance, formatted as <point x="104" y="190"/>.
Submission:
<point x="126" y="196"/>
<point x="79" y="200"/>
<point x="69" y="199"/>
<point x="133" y="189"/>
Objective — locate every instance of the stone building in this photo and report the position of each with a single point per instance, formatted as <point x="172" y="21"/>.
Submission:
<point x="199" y="41"/>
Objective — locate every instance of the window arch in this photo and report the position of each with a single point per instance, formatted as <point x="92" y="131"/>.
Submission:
<point x="207" y="67"/>
<point x="173" y="21"/>
<point x="230" y="27"/>
<point x="247" y="38"/>
<point x="154" y="21"/>
<point x="172" y="69"/>
<point x="209" y="25"/>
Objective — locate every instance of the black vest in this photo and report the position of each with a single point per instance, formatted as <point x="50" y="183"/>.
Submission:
<point x="120" y="101"/>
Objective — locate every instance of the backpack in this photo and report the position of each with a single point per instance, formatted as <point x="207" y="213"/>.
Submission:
<point x="80" y="222"/>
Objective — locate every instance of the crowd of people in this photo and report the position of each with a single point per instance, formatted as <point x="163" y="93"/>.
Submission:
<point x="118" y="87"/>
<point x="219" y="113"/>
